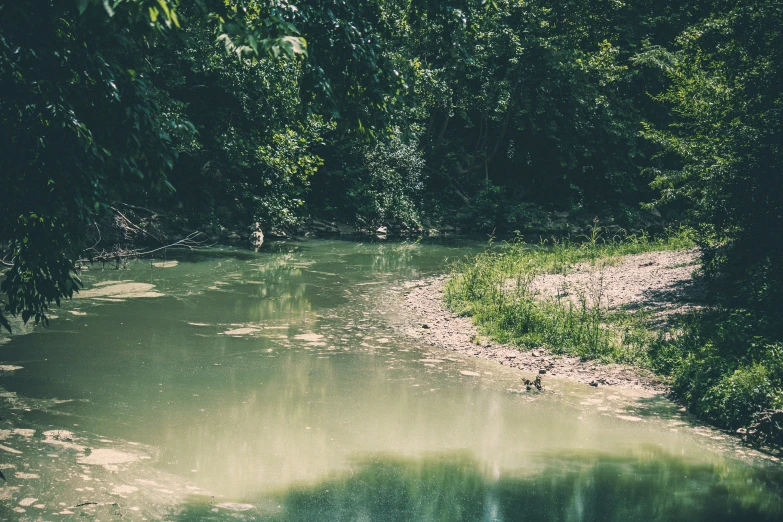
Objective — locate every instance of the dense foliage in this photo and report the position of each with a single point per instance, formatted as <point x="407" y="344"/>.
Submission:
<point x="726" y="100"/>
<point x="211" y="107"/>
<point x="519" y="106"/>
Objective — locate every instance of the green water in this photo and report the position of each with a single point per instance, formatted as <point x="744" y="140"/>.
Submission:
<point x="277" y="386"/>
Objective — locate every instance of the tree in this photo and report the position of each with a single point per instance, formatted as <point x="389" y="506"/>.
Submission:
<point x="724" y="145"/>
<point x="520" y="102"/>
<point x="78" y="127"/>
<point x="89" y="116"/>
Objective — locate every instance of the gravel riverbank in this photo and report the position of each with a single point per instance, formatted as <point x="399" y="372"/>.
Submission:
<point x="654" y="280"/>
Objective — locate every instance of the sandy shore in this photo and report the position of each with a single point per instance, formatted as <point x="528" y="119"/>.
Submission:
<point x="654" y="280"/>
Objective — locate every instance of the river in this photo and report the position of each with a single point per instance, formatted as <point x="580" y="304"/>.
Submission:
<point x="226" y="384"/>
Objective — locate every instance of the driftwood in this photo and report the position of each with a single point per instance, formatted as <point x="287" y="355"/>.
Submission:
<point x="535" y="383"/>
<point x="129" y="228"/>
<point x="124" y="222"/>
<point x="120" y="255"/>
<point x="117" y="253"/>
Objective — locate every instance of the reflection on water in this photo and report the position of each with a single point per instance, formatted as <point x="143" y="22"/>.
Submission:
<point x="255" y="379"/>
<point x="578" y="487"/>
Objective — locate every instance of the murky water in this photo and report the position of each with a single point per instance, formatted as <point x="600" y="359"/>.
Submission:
<point x="227" y="384"/>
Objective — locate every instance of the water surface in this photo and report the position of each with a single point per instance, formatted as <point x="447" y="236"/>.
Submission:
<point x="275" y="385"/>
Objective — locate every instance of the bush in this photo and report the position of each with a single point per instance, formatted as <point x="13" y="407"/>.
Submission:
<point x="737" y="397"/>
<point x="722" y="367"/>
<point x="379" y="183"/>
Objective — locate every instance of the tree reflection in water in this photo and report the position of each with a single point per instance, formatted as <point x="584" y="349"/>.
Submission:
<point x="574" y="487"/>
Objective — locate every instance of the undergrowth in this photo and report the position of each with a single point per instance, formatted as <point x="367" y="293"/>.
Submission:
<point x="723" y="366"/>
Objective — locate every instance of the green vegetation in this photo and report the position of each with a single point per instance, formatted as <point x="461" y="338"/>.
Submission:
<point x="724" y="364"/>
<point x="498" y="289"/>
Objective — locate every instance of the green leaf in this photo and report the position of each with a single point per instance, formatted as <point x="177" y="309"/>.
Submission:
<point x="294" y="45"/>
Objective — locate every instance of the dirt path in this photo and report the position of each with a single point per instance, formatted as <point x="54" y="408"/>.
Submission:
<point x="660" y="281"/>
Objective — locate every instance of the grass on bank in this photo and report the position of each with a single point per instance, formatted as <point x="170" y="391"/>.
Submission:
<point x="719" y="361"/>
<point x="496" y="288"/>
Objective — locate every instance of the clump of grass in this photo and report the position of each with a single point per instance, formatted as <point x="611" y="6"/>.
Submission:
<point x="495" y="287"/>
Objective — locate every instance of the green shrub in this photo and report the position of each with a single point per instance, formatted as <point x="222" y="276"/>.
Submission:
<point x="736" y="397"/>
<point x="723" y="368"/>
